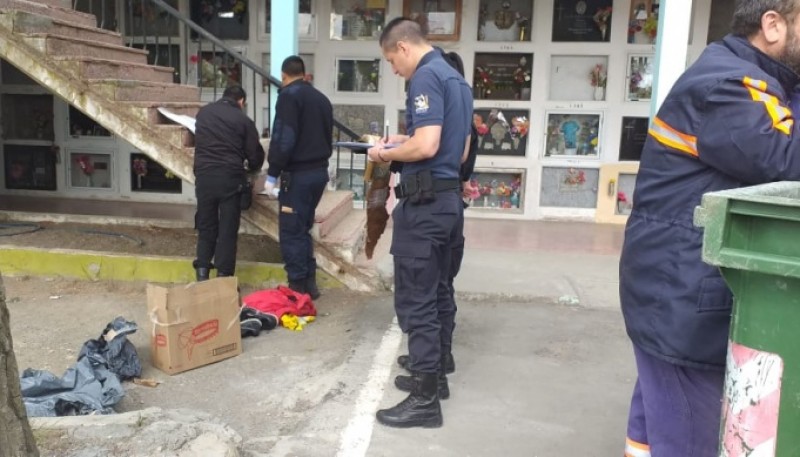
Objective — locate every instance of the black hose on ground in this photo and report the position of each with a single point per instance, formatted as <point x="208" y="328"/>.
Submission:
<point x="22" y="228"/>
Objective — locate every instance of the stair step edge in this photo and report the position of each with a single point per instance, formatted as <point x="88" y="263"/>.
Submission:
<point x="90" y="43"/>
<point x="138" y="83"/>
<point x="74" y="24"/>
<point x="122" y="63"/>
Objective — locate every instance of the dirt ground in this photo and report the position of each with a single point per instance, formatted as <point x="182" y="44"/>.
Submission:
<point x="271" y="389"/>
<point x="129" y="240"/>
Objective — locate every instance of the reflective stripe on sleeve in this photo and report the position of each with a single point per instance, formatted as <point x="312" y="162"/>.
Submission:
<point x="635" y="449"/>
<point x="672" y="138"/>
<point x="781" y="116"/>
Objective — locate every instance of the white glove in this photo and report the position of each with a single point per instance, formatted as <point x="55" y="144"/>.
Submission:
<point x="269" y="188"/>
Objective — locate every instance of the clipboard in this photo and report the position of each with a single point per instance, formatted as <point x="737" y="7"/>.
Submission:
<point x="359" y="148"/>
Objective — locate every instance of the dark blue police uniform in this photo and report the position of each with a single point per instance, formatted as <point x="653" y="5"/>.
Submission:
<point x="299" y="151"/>
<point x="425" y="229"/>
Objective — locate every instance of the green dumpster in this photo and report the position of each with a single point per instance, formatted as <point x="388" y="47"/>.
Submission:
<point x="753" y="235"/>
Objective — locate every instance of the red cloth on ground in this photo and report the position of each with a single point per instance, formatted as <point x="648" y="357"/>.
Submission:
<point x="280" y="301"/>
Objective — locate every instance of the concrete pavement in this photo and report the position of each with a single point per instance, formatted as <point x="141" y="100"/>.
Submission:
<point x="537" y="374"/>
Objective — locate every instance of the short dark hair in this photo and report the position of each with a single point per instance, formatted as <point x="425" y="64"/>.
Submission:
<point x="455" y="61"/>
<point x="747" y="15"/>
<point x="235" y="92"/>
<point x="401" y="29"/>
<point x="293" y="66"/>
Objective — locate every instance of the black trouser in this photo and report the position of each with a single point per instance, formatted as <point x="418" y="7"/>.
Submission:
<point x="423" y="241"/>
<point x="300" y="193"/>
<point x="217" y="221"/>
<point x="447" y="315"/>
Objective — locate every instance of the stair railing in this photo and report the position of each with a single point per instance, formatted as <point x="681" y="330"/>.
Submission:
<point x="160" y="28"/>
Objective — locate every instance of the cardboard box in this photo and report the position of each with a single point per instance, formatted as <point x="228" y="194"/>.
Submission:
<point x="193" y="325"/>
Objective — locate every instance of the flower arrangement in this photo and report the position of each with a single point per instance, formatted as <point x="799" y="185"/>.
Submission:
<point x="574" y="177"/>
<point x="522" y="76"/>
<point x="602" y="17"/>
<point x="85" y="163"/>
<point x="483" y="81"/>
<point x="374" y="72"/>
<point x="140" y="169"/>
<point x="519" y="128"/>
<point x="651" y="27"/>
<point x="86" y="166"/>
<point x="598" y="76"/>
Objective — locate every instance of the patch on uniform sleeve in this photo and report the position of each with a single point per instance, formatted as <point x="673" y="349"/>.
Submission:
<point x="421" y="104"/>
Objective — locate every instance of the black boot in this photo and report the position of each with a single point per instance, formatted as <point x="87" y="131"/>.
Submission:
<point x="449" y="363"/>
<point x="406" y="384"/>
<point x="311" y="287"/>
<point x="298" y="286"/>
<point x="420" y="409"/>
<point x="201" y="274"/>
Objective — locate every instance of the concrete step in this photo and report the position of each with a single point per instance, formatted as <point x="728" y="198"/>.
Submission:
<point x="332" y="209"/>
<point x="59" y="47"/>
<point x="51" y="9"/>
<point x="348" y="237"/>
<point x="177" y="135"/>
<point x="89" y="68"/>
<point x="26" y="22"/>
<point x="128" y="90"/>
<point x="148" y="110"/>
<point x="57" y="3"/>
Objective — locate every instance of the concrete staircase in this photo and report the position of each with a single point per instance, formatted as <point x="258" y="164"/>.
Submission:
<point x="92" y="70"/>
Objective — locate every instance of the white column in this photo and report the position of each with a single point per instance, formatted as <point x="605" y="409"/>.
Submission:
<point x="283" y="43"/>
<point x="674" y="20"/>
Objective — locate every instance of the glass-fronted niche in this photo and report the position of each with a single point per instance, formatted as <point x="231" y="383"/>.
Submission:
<point x="147" y="175"/>
<point x="573" y="134"/>
<point x="502" y="132"/>
<point x="578" y="78"/>
<point x="27" y="117"/>
<point x="508" y="20"/>
<point x="225" y="19"/>
<point x="569" y="187"/>
<point x="497" y="189"/>
<point x="217" y="69"/>
<point x="81" y="125"/>
<point x="357" y="19"/>
<point x="12" y="76"/>
<point x="502" y="76"/>
<point x="440" y="19"/>
<point x="358" y="75"/>
<point x="90" y="170"/>
<point x="144" y="18"/>
<point x="30" y="167"/>
<point x="306" y="19"/>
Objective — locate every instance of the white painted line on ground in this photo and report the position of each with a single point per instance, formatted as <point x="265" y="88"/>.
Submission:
<point x="358" y="433"/>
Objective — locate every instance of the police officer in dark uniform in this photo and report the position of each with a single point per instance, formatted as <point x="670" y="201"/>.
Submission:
<point x="226" y="147"/>
<point x="447" y="320"/>
<point x="299" y="151"/>
<point x="426" y="219"/>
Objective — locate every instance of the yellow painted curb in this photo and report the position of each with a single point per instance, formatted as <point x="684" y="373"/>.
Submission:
<point x="89" y="265"/>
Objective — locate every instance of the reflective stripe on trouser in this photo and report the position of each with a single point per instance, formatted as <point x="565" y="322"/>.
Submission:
<point x="634" y="449"/>
<point x="422" y="243"/>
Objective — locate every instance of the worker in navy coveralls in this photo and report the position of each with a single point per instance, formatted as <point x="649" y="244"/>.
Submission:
<point x="726" y="123"/>
<point x="299" y="151"/>
<point x="429" y="211"/>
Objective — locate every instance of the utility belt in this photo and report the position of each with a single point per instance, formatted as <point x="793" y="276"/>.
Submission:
<point x="422" y="187"/>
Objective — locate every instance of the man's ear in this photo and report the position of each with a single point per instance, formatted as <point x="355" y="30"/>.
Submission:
<point x="773" y="27"/>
